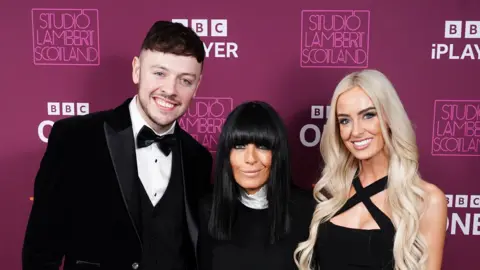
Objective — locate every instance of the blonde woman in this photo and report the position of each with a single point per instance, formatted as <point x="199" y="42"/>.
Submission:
<point x="374" y="210"/>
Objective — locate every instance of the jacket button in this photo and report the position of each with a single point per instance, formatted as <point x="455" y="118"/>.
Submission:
<point x="135" y="266"/>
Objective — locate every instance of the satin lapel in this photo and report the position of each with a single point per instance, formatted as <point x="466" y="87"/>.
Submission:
<point x="122" y="152"/>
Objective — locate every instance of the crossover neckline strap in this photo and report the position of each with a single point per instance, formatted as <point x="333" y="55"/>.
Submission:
<point x="363" y="195"/>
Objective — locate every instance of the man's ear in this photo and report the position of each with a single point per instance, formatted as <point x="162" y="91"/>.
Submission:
<point x="136" y="70"/>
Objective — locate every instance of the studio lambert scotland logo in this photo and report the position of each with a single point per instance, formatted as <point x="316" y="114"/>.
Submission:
<point x="204" y="119"/>
<point x="456" y="128"/>
<point x="334" y="38"/>
<point x="65" y="37"/>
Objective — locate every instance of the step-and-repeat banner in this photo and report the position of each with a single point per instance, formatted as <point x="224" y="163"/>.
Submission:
<point x="62" y="59"/>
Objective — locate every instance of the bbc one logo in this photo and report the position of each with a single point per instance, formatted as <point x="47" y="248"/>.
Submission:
<point x="334" y="38"/>
<point x="462" y="220"/>
<point x="212" y="28"/>
<point x="60" y="109"/>
<point x="310" y="134"/>
<point x="65" y="37"/>
<point x="456" y="31"/>
<point x="456" y="128"/>
<point x="204" y="119"/>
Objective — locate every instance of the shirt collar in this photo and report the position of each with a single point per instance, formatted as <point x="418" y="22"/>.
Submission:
<point x="138" y="122"/>
<point x="257" y="200"/>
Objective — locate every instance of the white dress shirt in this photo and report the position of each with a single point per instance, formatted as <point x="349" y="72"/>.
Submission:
<point x="154" y="168"/>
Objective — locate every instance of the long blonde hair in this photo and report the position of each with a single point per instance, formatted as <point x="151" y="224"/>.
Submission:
<point x="405" y="196"/>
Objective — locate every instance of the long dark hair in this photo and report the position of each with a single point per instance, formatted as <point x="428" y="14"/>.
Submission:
<point x="258" y="123"/>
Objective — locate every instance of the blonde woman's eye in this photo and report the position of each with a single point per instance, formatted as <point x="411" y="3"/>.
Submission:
<point x="370" y="115"/>
<point x="343" y="121"/>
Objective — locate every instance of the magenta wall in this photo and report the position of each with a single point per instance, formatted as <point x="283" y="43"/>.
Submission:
<point x="273" y="52"/>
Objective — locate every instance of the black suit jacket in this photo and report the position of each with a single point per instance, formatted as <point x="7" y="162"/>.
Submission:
<point x="82" y="210"/>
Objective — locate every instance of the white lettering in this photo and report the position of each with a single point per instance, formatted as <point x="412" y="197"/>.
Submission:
<point x="41" y="130"/>
<point x="221" y="49"/>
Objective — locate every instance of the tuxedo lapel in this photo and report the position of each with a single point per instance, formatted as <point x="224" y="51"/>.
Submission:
<point x="121" y="145"/>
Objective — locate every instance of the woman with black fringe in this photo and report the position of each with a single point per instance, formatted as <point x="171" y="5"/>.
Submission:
<point x="255" y="217"/>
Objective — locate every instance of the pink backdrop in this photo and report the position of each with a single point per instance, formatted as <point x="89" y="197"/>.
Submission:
<point x="60" y="59"/>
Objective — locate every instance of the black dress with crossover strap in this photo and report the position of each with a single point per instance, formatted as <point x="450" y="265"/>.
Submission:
<point x="343" y="248"/>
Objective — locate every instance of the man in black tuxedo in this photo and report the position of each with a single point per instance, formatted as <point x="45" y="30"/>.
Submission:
<point x="119" y="189"/>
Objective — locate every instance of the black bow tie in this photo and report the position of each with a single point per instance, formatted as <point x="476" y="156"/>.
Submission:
<point x="146" y="137"/>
